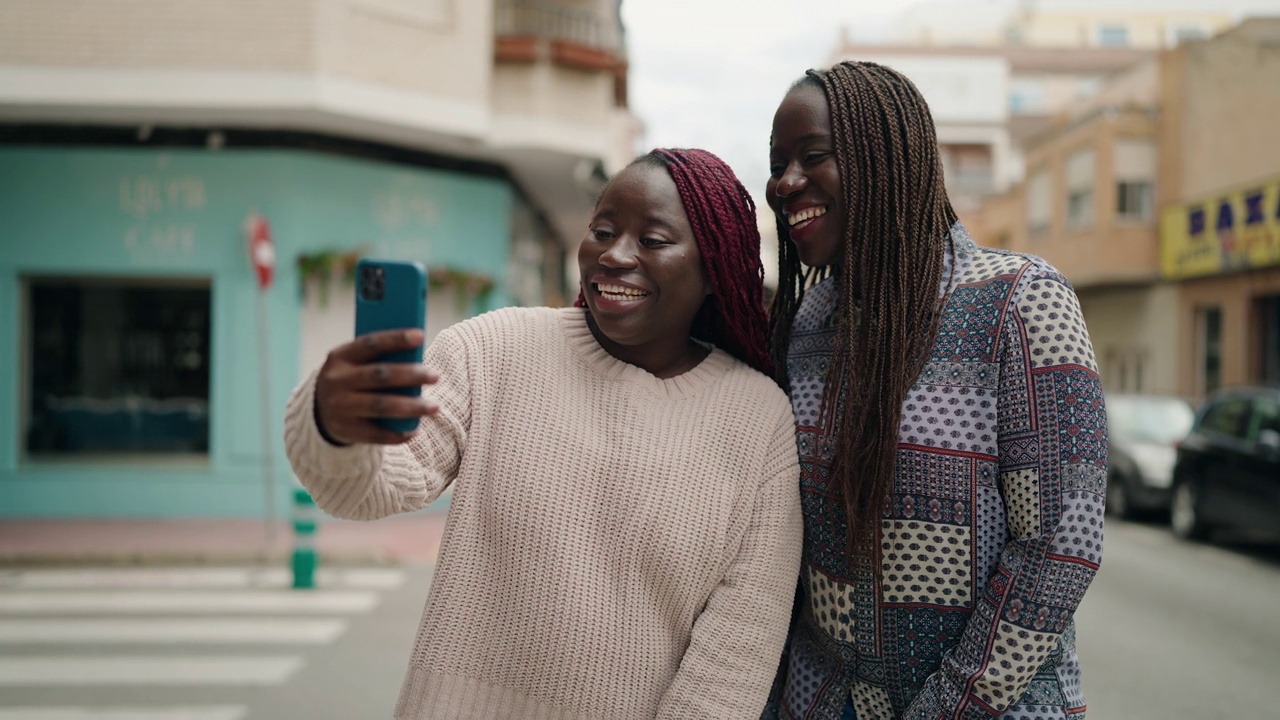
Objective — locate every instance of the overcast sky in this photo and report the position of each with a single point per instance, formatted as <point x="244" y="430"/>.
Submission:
<point x="709" y="73"/>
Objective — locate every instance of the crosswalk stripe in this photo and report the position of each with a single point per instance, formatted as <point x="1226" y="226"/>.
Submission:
<point x="202" y="578"/>
<point x="186" y="630"/>
<point x="217" y="712"/>
<point x="201" y="670"/>
<point x="106" y="602"/>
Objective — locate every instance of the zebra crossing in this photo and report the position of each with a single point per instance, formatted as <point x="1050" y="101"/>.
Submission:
<point x="123" y="643"/>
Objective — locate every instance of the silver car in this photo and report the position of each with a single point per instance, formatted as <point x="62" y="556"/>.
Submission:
<point x="1144" y="433"/>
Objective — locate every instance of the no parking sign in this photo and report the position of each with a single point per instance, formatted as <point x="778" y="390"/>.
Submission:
<point x="262" y="253"/>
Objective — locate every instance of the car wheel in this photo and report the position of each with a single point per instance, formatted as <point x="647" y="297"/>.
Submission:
<point x="1186" y="517"/>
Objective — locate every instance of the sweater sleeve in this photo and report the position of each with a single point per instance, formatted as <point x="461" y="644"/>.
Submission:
<point x="367" y="482"/>
<point x="737" y="639"/>
<point x="1052" y="437"/>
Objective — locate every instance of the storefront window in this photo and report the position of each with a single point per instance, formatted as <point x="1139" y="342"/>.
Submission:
<point x="117" y="367"/>
<point x="1209" y="325"/>
<point x="1268" y="314"/>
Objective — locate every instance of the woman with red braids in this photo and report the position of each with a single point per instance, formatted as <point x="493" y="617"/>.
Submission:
<point x="624" y="533"/>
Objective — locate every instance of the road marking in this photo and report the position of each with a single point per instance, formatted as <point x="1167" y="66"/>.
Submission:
<point x="193" y="578"/>
<point x="167" y="630"/>
<point x="227" y="712"/>
<point x="304" y="601"/>
<point x="194" y="670"/>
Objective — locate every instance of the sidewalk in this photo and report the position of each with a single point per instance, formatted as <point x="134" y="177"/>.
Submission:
<point x="408" y="539"/>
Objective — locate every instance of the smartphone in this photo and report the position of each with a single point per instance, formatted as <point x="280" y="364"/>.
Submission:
<point x="392" y="295"/>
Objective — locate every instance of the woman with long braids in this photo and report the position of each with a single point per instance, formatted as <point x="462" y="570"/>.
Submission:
<point x="624" y="531"/>
<point x="950" y="426"/>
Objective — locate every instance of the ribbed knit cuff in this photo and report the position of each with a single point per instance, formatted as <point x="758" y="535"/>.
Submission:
<point x="315" y="417"/>
<point x="338" y="477"/>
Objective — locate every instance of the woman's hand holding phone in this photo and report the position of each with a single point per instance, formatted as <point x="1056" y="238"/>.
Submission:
<point x="351" y="389"/>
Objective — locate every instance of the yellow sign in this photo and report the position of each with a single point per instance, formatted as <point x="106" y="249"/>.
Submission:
<point x="1231" y="231"/>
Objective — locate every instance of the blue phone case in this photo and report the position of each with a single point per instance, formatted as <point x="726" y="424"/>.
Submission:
<point x="392" y="295"/>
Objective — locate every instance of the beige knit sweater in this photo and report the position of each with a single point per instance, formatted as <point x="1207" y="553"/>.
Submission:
<point x="618" y="546"/>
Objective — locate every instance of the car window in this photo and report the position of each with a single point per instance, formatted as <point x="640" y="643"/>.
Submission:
<point x="1266" y="416"/>
<point x="1227" y="417"/>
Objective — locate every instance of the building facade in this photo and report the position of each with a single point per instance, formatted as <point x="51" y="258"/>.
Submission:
<point x="987" y="100"/>
<point x="1150" y="25"/>
<point x="997" y="73"/>
<point x="1220" y="222"/>
<point x="1156" y="198"/>
<point x="144" y="374"/>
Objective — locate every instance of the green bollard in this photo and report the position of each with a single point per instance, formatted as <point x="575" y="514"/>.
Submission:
<point x="305" y="521"/>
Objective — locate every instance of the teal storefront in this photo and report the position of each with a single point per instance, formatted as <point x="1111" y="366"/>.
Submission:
<point x="130" y="381"/>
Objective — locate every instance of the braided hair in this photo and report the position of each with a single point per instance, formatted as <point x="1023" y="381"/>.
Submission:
<point x="723" y="217"/>
<point x="896" y="237"/>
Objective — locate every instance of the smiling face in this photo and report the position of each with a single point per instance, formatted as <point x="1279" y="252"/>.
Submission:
<point x="642" y="274"/>
<point x="804" y="179"/>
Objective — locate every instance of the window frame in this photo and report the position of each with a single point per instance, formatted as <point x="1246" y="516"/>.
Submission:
<point x="1039" y="230"/>
<point x="1148" y="204"/>
<point x="1082" y="206"/>
<point x="1102" y="29"/>
<point x="175" y="460"/>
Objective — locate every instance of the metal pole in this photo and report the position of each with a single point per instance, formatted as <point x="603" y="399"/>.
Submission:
<point x="265" y="392"/>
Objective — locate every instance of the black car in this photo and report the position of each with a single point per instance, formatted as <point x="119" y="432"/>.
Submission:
<point x="1143" y="432"/>
<point x="1227" y="476"/>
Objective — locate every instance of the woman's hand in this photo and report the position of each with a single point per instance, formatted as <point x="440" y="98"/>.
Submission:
<point x="347" y="400"/>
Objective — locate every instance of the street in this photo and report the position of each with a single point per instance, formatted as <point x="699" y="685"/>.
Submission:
<point x="1168" y="630"/>
<point x="1180" y="630"/>
<point x="204" y="643"/>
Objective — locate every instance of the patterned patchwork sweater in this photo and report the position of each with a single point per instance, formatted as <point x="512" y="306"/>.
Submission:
<point x="995" y="527"/>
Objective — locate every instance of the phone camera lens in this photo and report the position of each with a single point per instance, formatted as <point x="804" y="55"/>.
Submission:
<point x="372" y="282"/>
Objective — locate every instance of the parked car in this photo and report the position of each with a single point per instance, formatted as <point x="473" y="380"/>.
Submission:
<point x="1227" y="476"/>
<point x="1143" y="434"/>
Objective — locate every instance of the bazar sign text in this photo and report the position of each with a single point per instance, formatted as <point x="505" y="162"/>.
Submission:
<point x="1231" y="231"/>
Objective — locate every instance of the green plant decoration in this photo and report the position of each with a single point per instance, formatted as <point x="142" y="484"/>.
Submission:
<point x="469" y="287"/>
<point x="321" y="267"/>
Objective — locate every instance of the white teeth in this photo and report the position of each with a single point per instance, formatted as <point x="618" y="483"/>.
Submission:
<point x="806" y="214"/>
<point x="620" y="290"/>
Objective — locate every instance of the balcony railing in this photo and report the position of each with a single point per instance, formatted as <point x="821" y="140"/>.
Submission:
<point x="553" y="21"/>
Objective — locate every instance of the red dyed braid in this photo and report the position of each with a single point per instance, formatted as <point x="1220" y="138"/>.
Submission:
<point x="723" y="217"/>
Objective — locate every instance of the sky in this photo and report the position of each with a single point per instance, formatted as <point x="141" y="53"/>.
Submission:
<point x="709" y="73"/>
